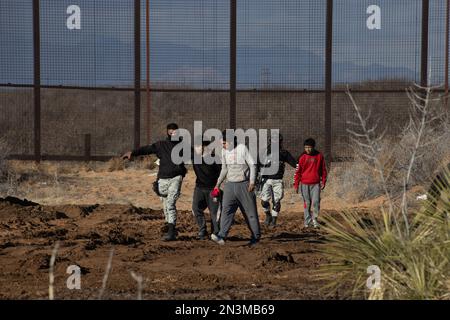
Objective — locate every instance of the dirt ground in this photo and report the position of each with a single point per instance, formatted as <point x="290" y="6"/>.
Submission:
<point x="92" y="212"/>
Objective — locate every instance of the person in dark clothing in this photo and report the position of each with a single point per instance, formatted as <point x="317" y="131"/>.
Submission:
<point x="272" y="186"/>
<point x="207" y="175"/>
<point x="169" y="179"/>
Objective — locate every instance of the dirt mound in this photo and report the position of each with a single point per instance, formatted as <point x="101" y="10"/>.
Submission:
<point x="20" y="202"/>
<point x="280" y="266"/>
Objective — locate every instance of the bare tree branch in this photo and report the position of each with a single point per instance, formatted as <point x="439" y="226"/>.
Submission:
<point x="138" y="279"/>
<point x="106" y="275"/>
<point x="51" y="291"/>
<point x="371" y="147"/>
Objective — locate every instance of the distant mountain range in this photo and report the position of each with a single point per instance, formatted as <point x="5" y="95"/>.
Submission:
<point x="107" y="61"/>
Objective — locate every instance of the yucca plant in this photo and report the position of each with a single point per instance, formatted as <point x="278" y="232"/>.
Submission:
<point x="414" y="267"/>
<point x="410" y="247"/>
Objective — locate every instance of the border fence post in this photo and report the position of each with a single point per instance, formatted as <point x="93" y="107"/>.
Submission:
<point x="147" y="71"/>
<point x="37" y="79"/>
<point x="233" y="48"/>
<point x="424" y="41"/>
<point x="87" y="147"/>
<point x="137" y="73"/>
<point x="447" y="30"/>
<point x="328" y="79"/>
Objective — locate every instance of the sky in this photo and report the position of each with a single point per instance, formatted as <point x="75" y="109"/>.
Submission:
<point x="280" y="43"/>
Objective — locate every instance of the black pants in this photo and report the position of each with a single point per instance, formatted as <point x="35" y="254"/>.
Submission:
<point x="200" y="202"/>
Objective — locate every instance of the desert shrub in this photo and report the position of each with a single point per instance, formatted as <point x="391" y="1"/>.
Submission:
<point x="381" y="163"/>
<point x="116" y="164"/>
<point x="410" y="246"/>
<point x="359" y="179"/>
<point x="414" y="265"/>
<point x="140" y="163"/>
<point x="9" y="178"/>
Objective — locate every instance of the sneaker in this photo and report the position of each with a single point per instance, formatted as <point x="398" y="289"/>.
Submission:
<point x="315" y="224"/>
<point x="217" y="239"/>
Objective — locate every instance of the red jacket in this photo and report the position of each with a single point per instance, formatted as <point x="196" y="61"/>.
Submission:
<point x="311" y="169"/>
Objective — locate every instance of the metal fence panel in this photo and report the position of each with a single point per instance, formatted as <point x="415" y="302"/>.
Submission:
<point x="388" y="57"/>
<point x="184" y="108"/>
<point x="99" y="54"/>
<point x="281" y="44"/>
<point x="298" y="115"/>
<point x="189" y="44"/>
<point x="16" y="120"/>
<point x="71" y="92"/>
<point x="16" y="42"/>
<point x="69" y="115"/>
<point x="436" y="55"/>
<point x="391" y="108"/>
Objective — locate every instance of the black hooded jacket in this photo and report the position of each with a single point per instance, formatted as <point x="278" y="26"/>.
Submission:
<point x="284" y="156"/>
<point x="207" y="174"/>
<point x="163" y="150"/>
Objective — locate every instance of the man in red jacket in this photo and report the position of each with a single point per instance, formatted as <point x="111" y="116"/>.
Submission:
<point x="311" y="173"/>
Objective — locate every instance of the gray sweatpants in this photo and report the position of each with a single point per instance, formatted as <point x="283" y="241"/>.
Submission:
<point x="171" y="189"/>
<point x="311" y="198"/>
<point x="236" y="195"/>
<point x="200" y="201"/>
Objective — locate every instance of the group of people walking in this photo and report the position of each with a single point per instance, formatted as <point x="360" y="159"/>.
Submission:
<point x="224" y="188"/>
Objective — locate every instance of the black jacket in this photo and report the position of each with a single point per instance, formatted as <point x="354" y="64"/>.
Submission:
<point x="163" y="150"/>
<point x="284" y="156"/>
<point x="207" y="174"/>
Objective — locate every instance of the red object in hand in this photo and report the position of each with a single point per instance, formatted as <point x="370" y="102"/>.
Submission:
<point x="215" y="193"/>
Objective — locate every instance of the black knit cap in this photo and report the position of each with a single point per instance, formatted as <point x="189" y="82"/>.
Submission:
<point x="172" y="126"/>
<point x="310" y="142"/>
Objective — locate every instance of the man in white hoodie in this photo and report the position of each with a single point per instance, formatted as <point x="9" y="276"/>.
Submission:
<point x="239" y="168"/>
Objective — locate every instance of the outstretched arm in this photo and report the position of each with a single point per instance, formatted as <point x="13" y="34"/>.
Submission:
<point x="146" y="150"/>
<point x="290" y="159"/>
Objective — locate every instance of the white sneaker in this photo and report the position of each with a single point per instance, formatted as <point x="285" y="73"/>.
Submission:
<point x="217" y="239"/>
<point x="315" y="224"/>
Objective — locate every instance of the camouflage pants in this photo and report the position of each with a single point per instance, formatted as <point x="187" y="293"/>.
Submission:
<point x="170" y="189"/>
<point x="272" y="190"/>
